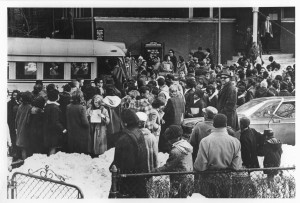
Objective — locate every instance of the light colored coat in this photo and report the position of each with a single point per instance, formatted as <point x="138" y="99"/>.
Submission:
<point x="219" y="150"/>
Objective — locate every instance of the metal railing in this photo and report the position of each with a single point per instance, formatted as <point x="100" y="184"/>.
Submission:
<point x="244" y="183"/>
<point x="30" y="186"/>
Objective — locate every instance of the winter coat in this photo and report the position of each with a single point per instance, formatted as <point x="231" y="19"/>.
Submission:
<point x="173" y="59"/>
<point x="213" y="101"/>
<point x="114" y="127"/>
<point x="131" y="157"/>
<point x="263" y="92"/>
<point x="152" y="149"/>
<point x="64" y="101"/>
<point x="52" y="126"/>
<point x="180" y="160"/>
<point x="12" y="108"/>
<point x="200" y="131"/>
<point x="79" y="139"/>
<point x="272" y="153"/>
<point x="250" y="94"/>
<point x="249" y="141"/>
<point x="36" y="130"/>
<point x="22" y="126"/>
<point x="200" y="104"/>
<point x="227" y="99"/>
<point x="174" y="112"/>
<point x="284" y="93"/>
<point x="99" y="133"/>
<point x="189" y="98"/>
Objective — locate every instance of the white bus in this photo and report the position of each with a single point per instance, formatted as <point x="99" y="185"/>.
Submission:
<point x="59" y="61"/>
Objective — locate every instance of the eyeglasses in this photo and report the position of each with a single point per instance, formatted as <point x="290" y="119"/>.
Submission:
<point x="224" y="78"/>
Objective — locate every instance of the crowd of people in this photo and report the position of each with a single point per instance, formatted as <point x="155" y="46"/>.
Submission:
<point x="145" y="117"/>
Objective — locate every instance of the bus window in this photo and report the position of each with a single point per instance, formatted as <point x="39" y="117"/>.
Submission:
<point x="53" y="70"/>
<point x="26" y="70"/>
<point x="81" y="70"/>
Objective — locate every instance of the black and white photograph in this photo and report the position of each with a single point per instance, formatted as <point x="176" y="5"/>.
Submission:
<point x="188" y="100"/>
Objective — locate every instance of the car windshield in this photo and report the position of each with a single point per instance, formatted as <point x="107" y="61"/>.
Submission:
<point x="286" y="110"/>
<point x="248" y="105"/>
<point x="266" y="110"/>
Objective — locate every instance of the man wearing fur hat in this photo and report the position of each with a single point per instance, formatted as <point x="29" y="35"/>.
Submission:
<point x="227" y="99"/>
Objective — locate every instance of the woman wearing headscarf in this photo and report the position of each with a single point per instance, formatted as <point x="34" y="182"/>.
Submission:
<point x="98" y="128"/>
<point x="79" y="139"/>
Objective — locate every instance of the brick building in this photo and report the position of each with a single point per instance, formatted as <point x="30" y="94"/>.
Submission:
<point x="180" y="29"/>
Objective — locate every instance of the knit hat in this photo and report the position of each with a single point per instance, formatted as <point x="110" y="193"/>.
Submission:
<point x="220" y="121"/>
<point x="129" y="118"/>
<point x="245" y="122"/>
<point x="210" y="111"/>
<point x="269" y="132"/>
<point x="173" y="132"/>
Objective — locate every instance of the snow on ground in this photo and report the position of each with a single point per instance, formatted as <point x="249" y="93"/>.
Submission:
<point x="92" y="176"/>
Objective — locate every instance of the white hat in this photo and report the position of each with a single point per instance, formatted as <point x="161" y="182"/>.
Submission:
<point x="142" y="116"/>
<point x="112" y="101"/>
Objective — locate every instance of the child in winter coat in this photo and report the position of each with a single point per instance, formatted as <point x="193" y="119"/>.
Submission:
<point x="272" y="153"/>
<point x="180" y="160"/>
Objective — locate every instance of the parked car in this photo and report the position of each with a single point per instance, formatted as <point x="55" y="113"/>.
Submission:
<point x="277" y="113"/>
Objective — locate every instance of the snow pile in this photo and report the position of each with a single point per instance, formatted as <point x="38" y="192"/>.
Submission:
<point x="196" y="195"/>
<point x="92" y="176"/>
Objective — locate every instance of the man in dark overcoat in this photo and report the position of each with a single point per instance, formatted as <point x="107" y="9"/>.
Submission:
<point x="227" y="99"/>
<point x="131" y="157"/>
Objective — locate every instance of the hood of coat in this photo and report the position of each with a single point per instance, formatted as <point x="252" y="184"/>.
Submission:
<point x="274" y="143"/>
<point x="183" y="146"/>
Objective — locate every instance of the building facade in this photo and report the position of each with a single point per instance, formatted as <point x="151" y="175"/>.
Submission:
<point x="180" y="29"/>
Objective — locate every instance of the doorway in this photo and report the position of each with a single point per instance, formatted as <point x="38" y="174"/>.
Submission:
<point x="275" y="18"/>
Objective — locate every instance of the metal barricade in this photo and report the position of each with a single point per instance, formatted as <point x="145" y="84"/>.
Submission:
<point x="244" y="183"/>
<point x="31" y="186"/>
